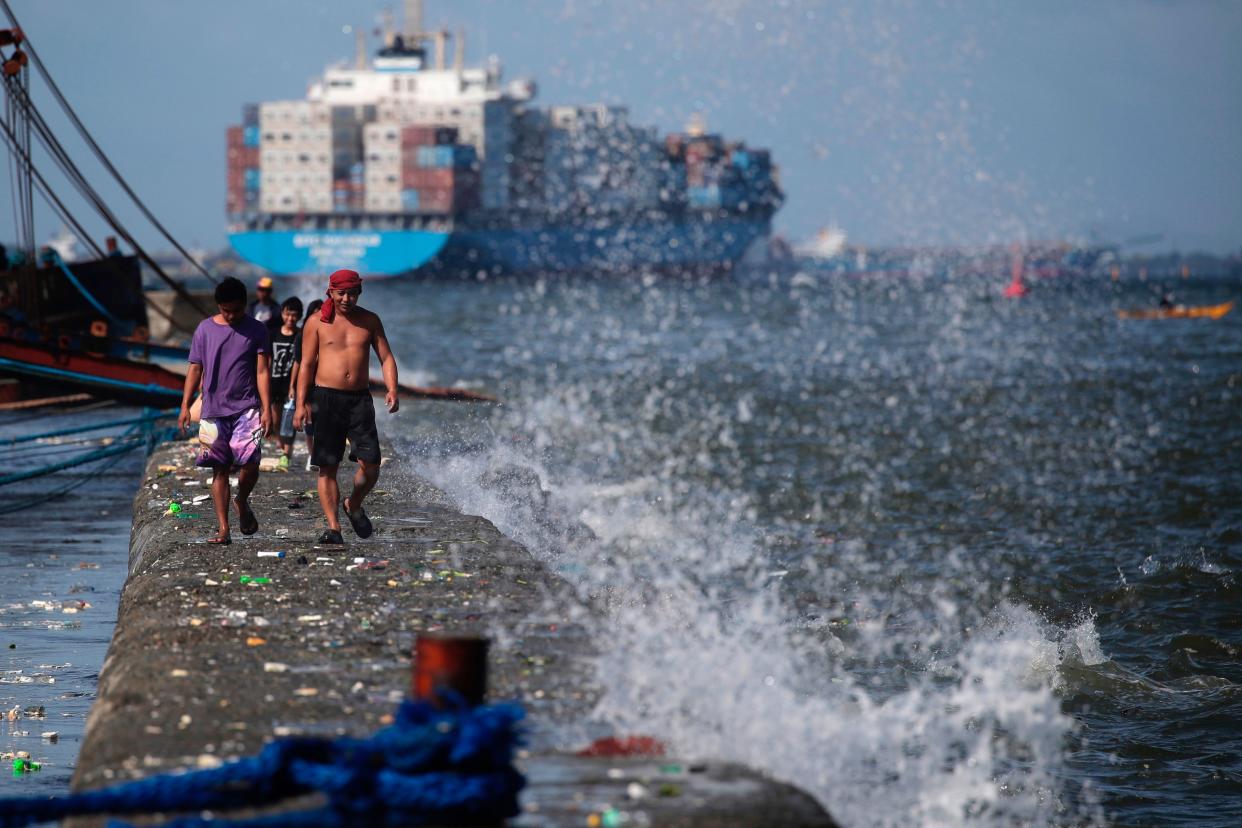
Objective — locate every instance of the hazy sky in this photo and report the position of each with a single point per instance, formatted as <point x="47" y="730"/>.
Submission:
<point x="924" y="122"/>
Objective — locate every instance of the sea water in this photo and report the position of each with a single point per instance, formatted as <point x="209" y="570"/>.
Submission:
<point x="63" y="561"/>
<point x="936" y="556"/>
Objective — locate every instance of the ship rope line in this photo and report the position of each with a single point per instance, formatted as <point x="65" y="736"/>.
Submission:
<point x="63" y="212"/>
<point x="20" y="103"/>
<point x="98" y="151"/>
<point x="20" y="178"/>
<point x="111" y="448"/>
<point x="71" y="171"/>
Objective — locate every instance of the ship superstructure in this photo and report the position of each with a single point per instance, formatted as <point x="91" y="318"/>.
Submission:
<point x="407" y="162"/>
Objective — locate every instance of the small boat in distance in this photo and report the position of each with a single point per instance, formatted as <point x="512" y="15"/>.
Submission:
<point x="1179" y="312"/>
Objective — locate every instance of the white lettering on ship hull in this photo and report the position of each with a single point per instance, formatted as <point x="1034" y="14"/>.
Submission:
<point x="337" y="248"/>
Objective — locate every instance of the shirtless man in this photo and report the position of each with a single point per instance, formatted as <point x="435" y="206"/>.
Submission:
<point x="336" y="361"/>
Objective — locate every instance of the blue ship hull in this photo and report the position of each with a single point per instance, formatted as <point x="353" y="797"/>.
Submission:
<point x="701" y="241"/>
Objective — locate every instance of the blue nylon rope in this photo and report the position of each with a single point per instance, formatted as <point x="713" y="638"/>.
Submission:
<point x="429" y="767"/>
<point x="128" y="441"/>
<point x="90" y="297"/>
<point x="46" y="371"/>
<point x="146" y="418"/>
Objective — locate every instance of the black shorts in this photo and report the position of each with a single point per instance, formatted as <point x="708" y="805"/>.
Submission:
<point x="341" y="414"/>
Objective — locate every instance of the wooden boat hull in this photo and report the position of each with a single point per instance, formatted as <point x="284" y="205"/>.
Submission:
<point x="1179" y="312"/>
<point x="140" y="383"/>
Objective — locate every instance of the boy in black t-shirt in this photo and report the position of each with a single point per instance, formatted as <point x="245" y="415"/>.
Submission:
<point x="311" y="309"/>
<point x="283" y="358"/>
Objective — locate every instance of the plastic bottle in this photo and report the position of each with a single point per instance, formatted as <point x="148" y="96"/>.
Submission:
<point x="286" y="420"/>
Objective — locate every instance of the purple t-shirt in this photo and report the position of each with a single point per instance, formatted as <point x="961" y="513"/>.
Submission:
<point x="228" y="354"/>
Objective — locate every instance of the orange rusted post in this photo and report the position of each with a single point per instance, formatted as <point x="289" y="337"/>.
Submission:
<point x="454" y="663"/>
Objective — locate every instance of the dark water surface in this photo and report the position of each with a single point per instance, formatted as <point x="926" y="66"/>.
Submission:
<point x="936" y="556"/>
<point x="62" y="564"/>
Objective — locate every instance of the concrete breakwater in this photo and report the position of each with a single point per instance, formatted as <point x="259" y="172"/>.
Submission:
<point x="219" y="649"/>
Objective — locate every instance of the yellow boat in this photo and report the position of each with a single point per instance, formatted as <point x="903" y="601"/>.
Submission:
<point x="1179" y="312"/>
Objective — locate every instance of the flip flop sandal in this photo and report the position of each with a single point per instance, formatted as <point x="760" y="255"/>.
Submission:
<point x="247" y="522"/>
<point x="331" y="536"/>
<point x="219" y="541"/>
<point x="360" y="522"/>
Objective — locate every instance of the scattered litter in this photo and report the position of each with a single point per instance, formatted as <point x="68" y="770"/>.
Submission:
<point x="200" y="498"/>
<point x="13" y="714"/>
<point x="21" y="766"/>
<point x="179" y="673"/>
<point x="275" y="667"/>
<point x="174" y="508"/>
<point x="306" y="691"/>
<point x="255" y="641"/>
<point x="280" y="554"/>
<point x="253" y="581"/>
<point x="50" y="736"/>
<point x="308" y="618"/>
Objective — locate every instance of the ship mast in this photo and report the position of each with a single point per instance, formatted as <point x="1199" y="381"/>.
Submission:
<point x="413" y="21"/>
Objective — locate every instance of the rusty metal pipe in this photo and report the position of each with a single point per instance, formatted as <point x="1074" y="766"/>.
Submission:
<point x="454" y="663"/>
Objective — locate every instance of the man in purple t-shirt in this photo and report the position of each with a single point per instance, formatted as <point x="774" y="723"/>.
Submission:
<point x="230" y="355"/>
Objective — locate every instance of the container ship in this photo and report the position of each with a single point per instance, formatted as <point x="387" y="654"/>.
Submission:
<point x="405" y="165"/>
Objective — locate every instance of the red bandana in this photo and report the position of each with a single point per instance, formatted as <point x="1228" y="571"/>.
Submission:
<point x="341" y="280"/>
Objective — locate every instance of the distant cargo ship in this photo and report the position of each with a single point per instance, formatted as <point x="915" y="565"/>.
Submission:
<point x="400" y="165"/>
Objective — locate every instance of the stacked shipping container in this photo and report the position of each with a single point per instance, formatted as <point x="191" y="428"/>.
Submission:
<point x="242" y="156"/>
<point x="594" y="160"/>
<point x="718" y="175"/>
<point x="304" y="157"/>
<point x="438" y="175"/>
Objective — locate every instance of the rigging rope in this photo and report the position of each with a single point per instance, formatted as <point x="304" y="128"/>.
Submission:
<point x="127" y="441"/>
<point x="59" y="207"/>
<point x="17" y="506"/>
<point x="99" y="153"/>
<point x="64" y="432"/>
<point x="120" y="324"/>
<point x="71" y="171"/>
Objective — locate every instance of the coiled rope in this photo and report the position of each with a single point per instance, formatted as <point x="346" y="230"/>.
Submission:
<point x="429" y="767"/>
